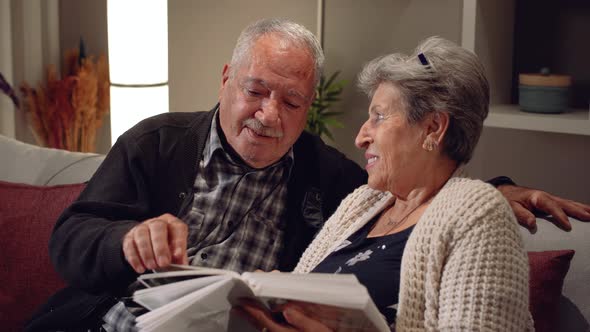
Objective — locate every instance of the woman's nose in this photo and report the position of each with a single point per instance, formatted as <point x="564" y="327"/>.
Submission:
<point x="362" y="138"/>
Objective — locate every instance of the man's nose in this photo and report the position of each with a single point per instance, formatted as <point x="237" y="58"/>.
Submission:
<point x="268" y="114"/>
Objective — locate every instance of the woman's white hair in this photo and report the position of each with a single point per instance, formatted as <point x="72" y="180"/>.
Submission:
<point x="291" y="32"/>
<point x="438" y="76"/>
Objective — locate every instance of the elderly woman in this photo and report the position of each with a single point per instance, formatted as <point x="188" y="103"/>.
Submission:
<point x="435" y="250"/>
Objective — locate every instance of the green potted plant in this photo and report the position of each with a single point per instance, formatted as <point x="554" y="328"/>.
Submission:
<point x="320" y="117"/>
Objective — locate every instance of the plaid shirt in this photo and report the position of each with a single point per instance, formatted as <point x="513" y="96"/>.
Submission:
<point x="236" y="221"/>
<point x="233" y="222"/>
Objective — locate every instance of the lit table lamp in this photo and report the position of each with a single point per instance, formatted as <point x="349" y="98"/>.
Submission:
<point x="138" y="61"/>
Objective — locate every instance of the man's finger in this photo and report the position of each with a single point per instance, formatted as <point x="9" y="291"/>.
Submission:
<point x="156" y="243"/>
<point x="177" y="238"/>
<point x="143" y="242"/>
<point x="549" y="205"/>
<point x="159" y="238"/>
<point x="524" y="217"/>
<point x="132" y="255"/>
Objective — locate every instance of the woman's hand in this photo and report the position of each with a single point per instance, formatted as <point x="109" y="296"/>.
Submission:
<point x="293" y="312"/>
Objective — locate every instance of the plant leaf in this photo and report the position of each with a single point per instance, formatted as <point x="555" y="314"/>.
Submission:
<point x="319" y="116"/>
<point x="332" y="78"/>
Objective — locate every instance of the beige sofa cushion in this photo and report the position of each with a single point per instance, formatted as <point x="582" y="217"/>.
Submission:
<point x="30" y="164"/>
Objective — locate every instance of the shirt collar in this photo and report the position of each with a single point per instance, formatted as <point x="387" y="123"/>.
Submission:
<point x="216" y="143"/>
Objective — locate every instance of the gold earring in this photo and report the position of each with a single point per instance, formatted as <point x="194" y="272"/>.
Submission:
<point x="429" y="144"/>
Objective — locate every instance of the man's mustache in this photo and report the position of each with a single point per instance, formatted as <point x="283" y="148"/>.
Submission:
<point x="261" y="129"/>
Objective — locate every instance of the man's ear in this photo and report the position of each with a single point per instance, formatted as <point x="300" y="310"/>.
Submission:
<point x="224" y="77"/>
<point x="437" y="124"/>
<point x="225" y="74"/>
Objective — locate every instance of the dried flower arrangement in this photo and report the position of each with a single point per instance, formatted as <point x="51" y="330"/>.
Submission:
<point x="66" y="113"/>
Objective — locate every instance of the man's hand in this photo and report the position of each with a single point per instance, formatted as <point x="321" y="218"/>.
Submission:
<point x="156" y="243"/>
<point x="528" y="203"/>
<point x="293" y="312"/>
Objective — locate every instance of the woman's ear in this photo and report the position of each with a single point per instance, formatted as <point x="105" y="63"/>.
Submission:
<point x="437" y="125"/>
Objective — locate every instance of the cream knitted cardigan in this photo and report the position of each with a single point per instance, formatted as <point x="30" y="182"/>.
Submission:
<point x="463" y="268"/>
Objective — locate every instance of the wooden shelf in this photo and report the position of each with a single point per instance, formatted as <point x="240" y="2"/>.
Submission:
<point x="575" y="122"/>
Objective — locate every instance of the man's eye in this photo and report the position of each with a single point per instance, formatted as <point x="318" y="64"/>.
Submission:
<point x="292" y="106"/>
<point x="253" y="93"/>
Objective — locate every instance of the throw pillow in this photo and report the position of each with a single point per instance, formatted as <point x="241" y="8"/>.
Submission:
<point x="27" y="216"/>
<point x="547" y="272"/>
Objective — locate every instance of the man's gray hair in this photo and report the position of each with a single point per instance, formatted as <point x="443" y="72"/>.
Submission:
<point x="292" y="32"/>
<point x="439" y="76"/>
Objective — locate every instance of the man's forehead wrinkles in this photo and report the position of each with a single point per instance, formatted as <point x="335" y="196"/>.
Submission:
<point x="255" y="80"/>
<point x="297" y="94"/>
<point x="290" y="92"/>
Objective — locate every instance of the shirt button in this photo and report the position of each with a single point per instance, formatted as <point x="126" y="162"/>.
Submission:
<point x="182" y="195"/>
<point x="204" y="255"/>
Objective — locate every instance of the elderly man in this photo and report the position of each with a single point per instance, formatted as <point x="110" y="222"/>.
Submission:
<point x="240" y="187"/>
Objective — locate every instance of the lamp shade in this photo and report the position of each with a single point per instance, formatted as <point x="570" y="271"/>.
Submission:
<point x="138" y="41"/>
<point x="138" y="61"/>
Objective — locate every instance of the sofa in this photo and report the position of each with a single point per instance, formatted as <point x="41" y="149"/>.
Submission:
<point x="36" y="184"/>
<point x="572" y="312"/>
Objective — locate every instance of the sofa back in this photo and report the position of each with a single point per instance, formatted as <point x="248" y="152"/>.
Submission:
<point x="30" y="164"/>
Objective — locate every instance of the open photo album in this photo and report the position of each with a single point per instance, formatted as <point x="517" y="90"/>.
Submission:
<point x="188" y="298"/>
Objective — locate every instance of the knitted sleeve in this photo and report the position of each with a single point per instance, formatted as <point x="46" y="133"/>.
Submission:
<point x="484" y="282"/>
